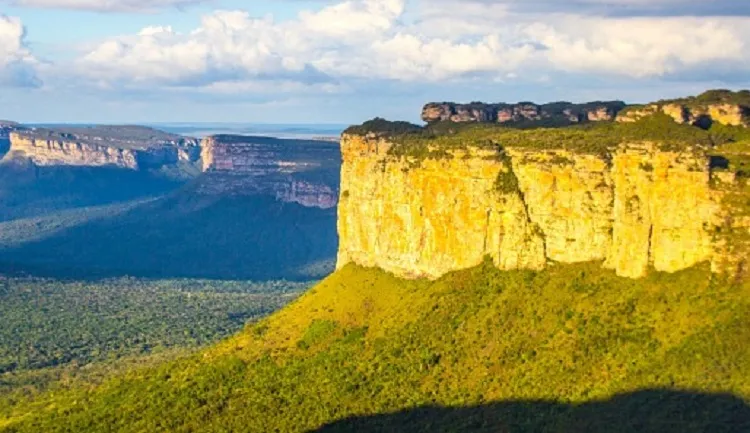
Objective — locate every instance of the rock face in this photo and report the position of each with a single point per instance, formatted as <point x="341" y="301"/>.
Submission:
<point x="294" y="171"/>
<point x="559" y="112"/>
<point x="130" y="147"/>
<point x="634" y="210"/>
<point x="720" y="106"/>
<point x="6" y="127"/>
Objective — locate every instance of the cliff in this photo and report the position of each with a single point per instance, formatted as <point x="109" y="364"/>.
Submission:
<point x="715" y="106"/>
<point x="724" y="107"/>
<point x="523" y="112"/>
<point x="130" y="147"/>
<point x="6" y="127"/>
<point x="293" y="171"/>
<point x="423" y="207"/>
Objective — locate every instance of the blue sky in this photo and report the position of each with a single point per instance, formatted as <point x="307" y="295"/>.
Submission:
<point x="343" y="61"/>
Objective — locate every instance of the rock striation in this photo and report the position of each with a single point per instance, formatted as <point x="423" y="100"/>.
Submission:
<point x="130" y="147"/>
<point x="635" y="209"/>
<point x="523" y="112"/>
<point x="305" y="172"/>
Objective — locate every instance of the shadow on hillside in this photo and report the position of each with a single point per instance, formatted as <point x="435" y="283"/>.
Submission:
<point x="27" y="190"/>
<point x="650" y="411"/>
<point x="185" y="235"/>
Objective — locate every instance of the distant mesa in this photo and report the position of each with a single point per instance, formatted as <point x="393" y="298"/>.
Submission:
<point x="722" y="106"/>
<point x="556" y="112"/>
<point x="297" y="171"/>
<point x="131" y="147"/>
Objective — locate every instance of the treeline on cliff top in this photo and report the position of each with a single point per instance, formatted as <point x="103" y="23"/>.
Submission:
<point x="573" y="348"/>
<point x="718" y="96"/>
<point x="599" y="138"/>
<point x="557" y="133"/>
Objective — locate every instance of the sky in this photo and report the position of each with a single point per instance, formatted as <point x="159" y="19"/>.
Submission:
<point x="345" y="61"/>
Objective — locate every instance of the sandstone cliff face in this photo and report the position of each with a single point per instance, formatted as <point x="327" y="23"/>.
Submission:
<point x="96" y="148"/>
<point x="521" y="112"/>
<point x="306" y="173"/>
<point x="702" y="115"/>
<point x="52" y="152"/>
<point x="634" y="210"/>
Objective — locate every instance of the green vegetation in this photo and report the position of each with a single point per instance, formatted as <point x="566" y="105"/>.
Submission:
<point x="182" y="235"/>
<point x="48" y="323"/>
<point x="436" y="140"/>
<point x="507" y="181"/>
<point x="718" y="96"/>
<point x="383" y="127"/>
<point x="366" y="343"/>
<point x="596" y="138"/>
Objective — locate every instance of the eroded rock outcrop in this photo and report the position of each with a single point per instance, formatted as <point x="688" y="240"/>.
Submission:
<point x="720" y="106"/>
<point x="634" y="209"/>
<point x="305" y="172"/>
<point x="558" y="112"/>
<point x="130" y="147"/>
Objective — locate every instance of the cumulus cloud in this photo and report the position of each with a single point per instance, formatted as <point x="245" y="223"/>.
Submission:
<point x="357" y="38"/>
<point x="642" y="47"/>
<point x="17" y="65"/>
<point x="106" y="5"/>
<point x="360" y="40"/>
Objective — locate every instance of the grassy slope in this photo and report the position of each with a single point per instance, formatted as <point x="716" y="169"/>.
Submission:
<point x="365" y="343"/>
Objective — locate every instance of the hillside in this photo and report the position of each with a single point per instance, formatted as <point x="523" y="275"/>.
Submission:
<point x="570" y="349"/>
<point x="589" y="278"/>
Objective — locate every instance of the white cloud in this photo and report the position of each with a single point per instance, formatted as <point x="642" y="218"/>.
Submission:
<point x="641" y="47"/>
<point x="355" y="18"/>
<point x="353" y="39"/>
<point x="17" y="65"/>
<point x="361" y="41"/>
<point x="106" y="5"/>
<point x="11" y="40"/>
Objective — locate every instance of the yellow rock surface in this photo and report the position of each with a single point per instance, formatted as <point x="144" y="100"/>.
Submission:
<point x="639" y="209"/>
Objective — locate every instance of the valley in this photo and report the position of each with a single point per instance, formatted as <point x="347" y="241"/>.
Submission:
<point x="502" y="268"/>
<point x="119" y="249"/>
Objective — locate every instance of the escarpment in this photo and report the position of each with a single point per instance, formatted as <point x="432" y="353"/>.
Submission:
<point x="723" y="107"/>
<point x="423" y="207"/>
<point x="129" y="147"/>
<point x="529" y="112"/>
<point x="305" y="172"/>
<point x="716" y="106"/>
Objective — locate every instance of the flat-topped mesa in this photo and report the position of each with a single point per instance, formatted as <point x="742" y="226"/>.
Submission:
<point x="130" y="147"/>
<point x="293" y="171"/>
<point x="524" y="112"/>
<point x="422" y="206"/>
<point x="724" y="107"/>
